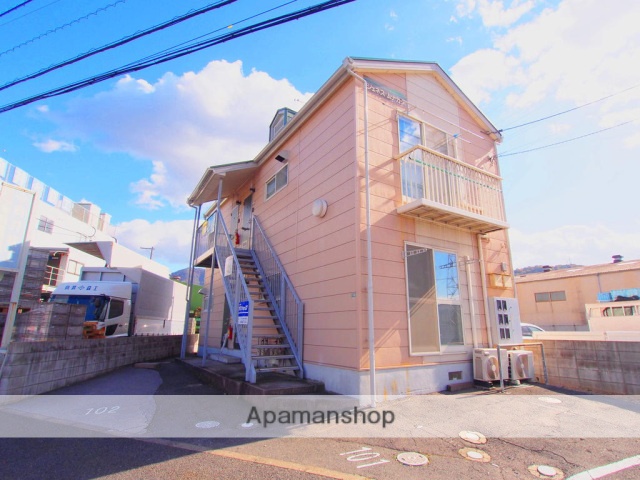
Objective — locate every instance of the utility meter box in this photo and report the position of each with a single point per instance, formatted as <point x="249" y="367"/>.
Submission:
<point x="505" y="320"/>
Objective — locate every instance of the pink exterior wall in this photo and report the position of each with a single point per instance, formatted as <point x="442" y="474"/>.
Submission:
<point x="430" y="102"/>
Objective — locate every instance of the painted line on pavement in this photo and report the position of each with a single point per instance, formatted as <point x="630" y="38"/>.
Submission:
<point x="324" y="472"/>
<point x="605" y="470"/>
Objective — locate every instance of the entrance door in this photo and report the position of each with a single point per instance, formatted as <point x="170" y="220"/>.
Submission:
<point x="247" y="221"/>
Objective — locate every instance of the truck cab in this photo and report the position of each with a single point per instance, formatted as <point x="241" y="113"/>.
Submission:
<point x="108" y="304"/>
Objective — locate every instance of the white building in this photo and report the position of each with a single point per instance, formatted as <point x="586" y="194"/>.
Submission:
<point x="38" y="223"/>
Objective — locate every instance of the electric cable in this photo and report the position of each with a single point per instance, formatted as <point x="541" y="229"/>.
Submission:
<point x="178" y="53"/>
<point x="30" y="13"/>
<point x="62" y="27"/>
<point x="566" y="111"/>
<point x="565" y="141"/>
<point x="15" y="8"/>
<point x="119" y="43"/>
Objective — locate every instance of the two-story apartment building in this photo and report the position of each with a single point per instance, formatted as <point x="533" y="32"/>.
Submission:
<point x="362" y="245"/>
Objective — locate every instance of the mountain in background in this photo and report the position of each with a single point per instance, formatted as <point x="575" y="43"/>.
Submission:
<point x="541" y="268"/>
<point x="198" y="275"/>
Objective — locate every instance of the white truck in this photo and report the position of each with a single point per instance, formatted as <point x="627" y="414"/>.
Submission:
<point x="127" y="301"/>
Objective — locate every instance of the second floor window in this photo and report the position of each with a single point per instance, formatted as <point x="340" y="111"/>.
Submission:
<point x="413" y="132"/>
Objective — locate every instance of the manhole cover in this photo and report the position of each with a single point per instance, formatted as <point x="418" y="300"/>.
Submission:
<point x="546" y="471"/>
<point x="413" y="459"/>
<point x="474" y="455"/>
<point x="473" y="437"/>
<point x="209" y="424"/>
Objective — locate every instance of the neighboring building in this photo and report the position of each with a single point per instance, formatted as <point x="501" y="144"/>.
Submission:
<point x="564" y="299"/>
<point x="295" y="242"/>
<point x="38" y="224"/>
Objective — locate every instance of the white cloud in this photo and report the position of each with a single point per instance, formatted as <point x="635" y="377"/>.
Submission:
<point x="576" y="52"/>
<point x="580" y="244"/>
<point x="494" y="13"/>
<point x="49" y="146"/>
<point x="182" y="124"/>
<point x="171" y="241"/>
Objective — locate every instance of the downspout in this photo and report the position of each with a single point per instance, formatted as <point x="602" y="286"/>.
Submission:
<point x="472" y="312"/>
<point x="370" y="312"/>
<point x="485" y="293"/>
<point x="192" y="256"/>
<point x="213" y="259"/>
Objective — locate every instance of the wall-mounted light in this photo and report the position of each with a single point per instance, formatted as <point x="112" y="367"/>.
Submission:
<point x="319" y="208"/>
<point x="238" y="202"/>
<point x="252" y="190"/>
<point x="282" y="156"/>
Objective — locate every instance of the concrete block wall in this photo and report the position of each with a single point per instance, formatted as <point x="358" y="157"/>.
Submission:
<point x="602" y="367"/>
<point x="31" y="368"/>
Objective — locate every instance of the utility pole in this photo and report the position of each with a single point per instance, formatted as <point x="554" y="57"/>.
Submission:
<point x="150" y="251"/>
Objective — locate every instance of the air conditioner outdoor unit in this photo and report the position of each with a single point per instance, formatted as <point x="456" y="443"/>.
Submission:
<point x="521" y="364"/>
<point x="485" y="364"/>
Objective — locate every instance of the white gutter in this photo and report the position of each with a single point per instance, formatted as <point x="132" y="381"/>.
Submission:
<point x="370" y="312"/>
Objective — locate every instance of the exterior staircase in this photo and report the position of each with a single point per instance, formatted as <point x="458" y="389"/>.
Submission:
<point x="270" y="347"/>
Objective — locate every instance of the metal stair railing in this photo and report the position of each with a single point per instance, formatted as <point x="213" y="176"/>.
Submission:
<point x="237" y="292"/>
<point x="287" y="303"/>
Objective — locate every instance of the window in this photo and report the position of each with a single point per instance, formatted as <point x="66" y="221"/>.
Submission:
<point x="74" y="267"/>
<point x="116" y="309"/>
<point x="413" y="132"/>
<point x="278" y="181"/>
<point x="550" y="297"/>
<point x="45" y="225"/>
<point x="435" y="317"/>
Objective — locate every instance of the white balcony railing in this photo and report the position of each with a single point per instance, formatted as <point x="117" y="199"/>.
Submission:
<point x="446" y="190"/>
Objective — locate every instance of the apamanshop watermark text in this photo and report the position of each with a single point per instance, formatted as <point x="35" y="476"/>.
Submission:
<point x="300" y="417"/>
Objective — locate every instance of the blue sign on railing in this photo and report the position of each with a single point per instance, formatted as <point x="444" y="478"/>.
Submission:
<point x="243" y="313"/>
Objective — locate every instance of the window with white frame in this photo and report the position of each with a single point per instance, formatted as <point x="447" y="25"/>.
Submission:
<point x="278" y="181"/>
<point x="433" y="291"/>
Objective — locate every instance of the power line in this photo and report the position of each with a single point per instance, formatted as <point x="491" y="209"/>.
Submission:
<point x="62" y="27"/>
<point x="15" y="8"/>
<point x="565" y="141"/>
<point x="565" y="111"/>
<point x="119" y="43"/>
<point x="178" y="53"/>
<point x="30" y="13"/>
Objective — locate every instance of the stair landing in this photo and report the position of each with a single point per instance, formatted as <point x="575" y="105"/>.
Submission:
<point x="229" y="377"/>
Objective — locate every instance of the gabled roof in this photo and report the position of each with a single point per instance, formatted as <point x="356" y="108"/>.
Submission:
<point x="238" y="173"/>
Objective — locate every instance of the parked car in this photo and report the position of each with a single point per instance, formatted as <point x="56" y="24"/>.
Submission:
<point x="528" y="329"/>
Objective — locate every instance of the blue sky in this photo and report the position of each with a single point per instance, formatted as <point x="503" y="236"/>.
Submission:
<point x="136" y="145"/>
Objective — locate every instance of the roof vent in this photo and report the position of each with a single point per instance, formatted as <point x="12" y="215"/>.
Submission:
<point x="546" y="268"/>
<point x="616" y="258"/>
<point x="282" y="117"/>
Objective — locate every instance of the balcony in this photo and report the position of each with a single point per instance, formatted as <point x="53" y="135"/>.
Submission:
<point x="442" y="189"/>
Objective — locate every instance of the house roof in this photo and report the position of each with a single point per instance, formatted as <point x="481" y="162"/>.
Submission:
<point x="235" y="174"/>
<point x="579" y="271"/>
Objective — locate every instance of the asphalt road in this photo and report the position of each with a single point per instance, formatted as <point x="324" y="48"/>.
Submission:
<point x="79" y="455"/>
